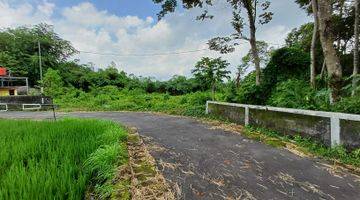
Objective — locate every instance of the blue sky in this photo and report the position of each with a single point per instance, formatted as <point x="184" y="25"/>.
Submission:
<point x="141" y="8"/>
<point x="128" y="27"/>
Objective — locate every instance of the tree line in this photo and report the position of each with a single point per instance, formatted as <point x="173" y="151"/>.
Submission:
<point x="335" y="25"/>
<point x="19" y="53"/>
<point x="296" y="75"/>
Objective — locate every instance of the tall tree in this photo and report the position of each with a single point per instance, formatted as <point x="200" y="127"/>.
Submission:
<point x="312" y="8"/>
<point x="227" y="44"/>
<point x="356" y="47"/>
<point x="19" y="50"/>
<point x="313" y="44"/>
<point x="264" y="56"/>
<point x="211" y="72"/>
<point x="327" y="39"/>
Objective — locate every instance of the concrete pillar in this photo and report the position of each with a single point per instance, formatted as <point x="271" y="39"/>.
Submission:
<point x="207" y="108"/>
<point x="335" y="131"/>
<point x="246" y="116"/>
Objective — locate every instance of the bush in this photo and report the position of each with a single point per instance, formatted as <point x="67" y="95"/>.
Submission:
<point x="199" y="98"/>
<point x="250" y="93"/>
<point x="230" y="93"/>
<point x="348" y="105"/>
<point x="53" y="84"/>
<point x="286" y="63"/>
<point x="293" y="94"/>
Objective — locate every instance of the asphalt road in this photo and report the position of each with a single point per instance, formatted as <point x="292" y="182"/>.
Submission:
<point x="205" y="163"/>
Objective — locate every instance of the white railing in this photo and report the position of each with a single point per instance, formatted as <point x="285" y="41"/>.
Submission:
<point x="333" y="116"/>
<point x="31" y="106"/>
<point x="5" y="106"/>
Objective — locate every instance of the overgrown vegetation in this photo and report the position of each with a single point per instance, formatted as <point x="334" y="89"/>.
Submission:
<point x="284" y="78"/>
<point x="110" y="98"/>
<point x="59" y="160"/>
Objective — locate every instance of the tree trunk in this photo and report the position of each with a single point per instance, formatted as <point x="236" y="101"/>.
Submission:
<point x="254" y="49"/>
<point x="238" y="77"/>
<point x="323" y="68"/>
<point x="255" y="54"/>
<point x="313" y="45"/>
<point x="356" y="48"/>
<point x="341" y="14"/>
<point x="327" y="42"/>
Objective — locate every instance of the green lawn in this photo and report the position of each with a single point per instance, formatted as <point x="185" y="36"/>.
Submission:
<point x="59" y="160"/>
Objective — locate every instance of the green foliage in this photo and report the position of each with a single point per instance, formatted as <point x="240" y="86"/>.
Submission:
<point x="264" y="52"/>
<point x="301" y="37"/>
<point x="348" y="105"/>
<point x="19" y="50"/>
<point x="231" y="94"/>
<point x="102" y="165"/>
<point x="53" y="84"/>
<point x="209" y="72"/>
<point x="179" y="85"/>
<point x="110" y="99"/>
<point x="293" y="94"/>
<point x="58" y="160"/>
<point x="250" y="93"/>
<point x="286" y="63"/>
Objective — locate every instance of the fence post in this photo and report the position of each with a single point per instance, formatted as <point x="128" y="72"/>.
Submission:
<point x="246" y="115"/>
<point x="207" y="107"/>
<point x="335" y="131"/>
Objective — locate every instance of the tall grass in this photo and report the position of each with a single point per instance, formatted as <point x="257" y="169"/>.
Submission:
<point x="56" y="160"/>
<point x="134" y="100"/>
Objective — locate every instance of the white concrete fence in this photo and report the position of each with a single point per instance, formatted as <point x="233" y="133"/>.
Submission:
<point x="335" y="127"/>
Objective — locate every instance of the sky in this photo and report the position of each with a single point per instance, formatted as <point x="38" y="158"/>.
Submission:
<point x="129" y="34"/>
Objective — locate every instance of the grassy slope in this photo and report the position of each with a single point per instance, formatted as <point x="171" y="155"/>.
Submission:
<point x="57" y="160"/>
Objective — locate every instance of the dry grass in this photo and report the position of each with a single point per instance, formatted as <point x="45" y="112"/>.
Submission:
<point x="146" y="180"/>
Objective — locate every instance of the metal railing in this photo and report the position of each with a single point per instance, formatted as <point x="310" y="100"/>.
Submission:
<point x="31" y="106"/>
<point x="3" y="105"/>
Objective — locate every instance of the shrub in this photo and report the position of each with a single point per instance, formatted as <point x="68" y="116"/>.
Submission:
<point x="230" y="93"/>
<point x="348" y="105"/>
<point x="293" y="94"/>
<point x="199" y="98"/>
<point x="53" y="84"/>
<point x="286" y="63"/>
<point x="250" y="93"/>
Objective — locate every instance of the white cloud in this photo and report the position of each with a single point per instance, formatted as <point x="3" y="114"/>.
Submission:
<point x="94" y="30"/>
<point x="46" y="8"/>
<point x="25" y="14"/>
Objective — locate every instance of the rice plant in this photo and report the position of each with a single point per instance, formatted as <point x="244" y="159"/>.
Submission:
<point x="58" y="160"/>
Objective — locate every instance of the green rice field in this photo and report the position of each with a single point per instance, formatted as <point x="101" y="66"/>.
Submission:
<point x="59" y="160"/>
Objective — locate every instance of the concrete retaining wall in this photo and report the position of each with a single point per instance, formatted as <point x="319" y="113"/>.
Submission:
<point x="328" y="127"/>
<point x="17" y="102"/>
<point x="26" y="99"/>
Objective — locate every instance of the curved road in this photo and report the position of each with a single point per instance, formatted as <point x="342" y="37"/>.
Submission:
<point x="205" y="163"/>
